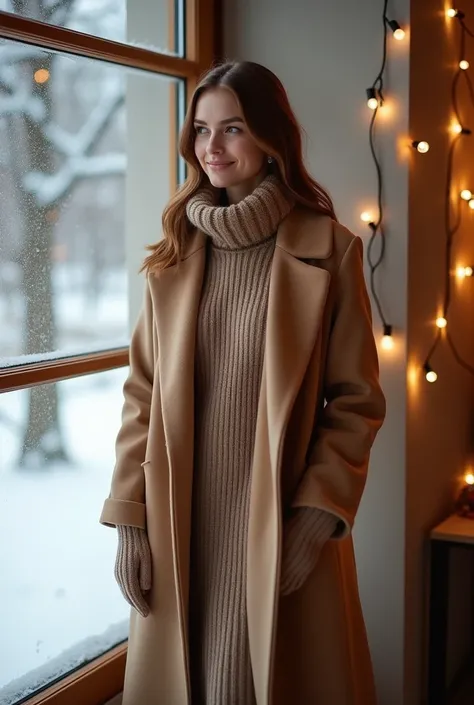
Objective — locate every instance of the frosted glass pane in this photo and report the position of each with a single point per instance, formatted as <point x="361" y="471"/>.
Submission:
<point x="81" y="141"/>
<point x="59" y="604"/>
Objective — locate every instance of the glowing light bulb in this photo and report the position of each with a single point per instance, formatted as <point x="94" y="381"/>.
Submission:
<point x="462" y="272"/>
<point x="466" y="195"/>
<point x="430" y="374"/>
<point x="471" y="204"/>
<point x="422" y="146"/>
<point x="398" y="32"/>
<point x="441" y="322"/>
<point x="41" y="75"/>
<point x="366" y="217"/>
<point x="372" y="98"/>
<point x="469" y="478"/>
<point x="452" y="12"/>
<point x="464" y="65"/>
<point x="456" y="128"/>
<point x="387" y="340"/>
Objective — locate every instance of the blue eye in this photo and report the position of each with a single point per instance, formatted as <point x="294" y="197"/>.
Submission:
<point x="201" y="130"/>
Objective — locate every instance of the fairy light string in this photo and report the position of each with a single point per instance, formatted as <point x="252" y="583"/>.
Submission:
<point x="375" y="101"/>
<point x="453" y="212"/>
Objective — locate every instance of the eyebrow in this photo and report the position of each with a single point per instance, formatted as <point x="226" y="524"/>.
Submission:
<point x="222" y="122"/>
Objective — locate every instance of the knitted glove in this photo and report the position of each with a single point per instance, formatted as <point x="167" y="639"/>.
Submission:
<point x="304" y="535"/>
<point x="133" y="566"/>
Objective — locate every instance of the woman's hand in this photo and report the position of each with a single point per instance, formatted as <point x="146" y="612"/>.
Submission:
<point x="304" y="535"/>
<point x="133" y="566"/>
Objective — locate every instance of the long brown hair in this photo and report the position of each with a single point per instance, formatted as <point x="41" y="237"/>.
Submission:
<point x="272" y="123"/>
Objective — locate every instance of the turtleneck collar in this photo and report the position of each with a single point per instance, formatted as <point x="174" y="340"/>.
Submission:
<point x="243" y="224"/>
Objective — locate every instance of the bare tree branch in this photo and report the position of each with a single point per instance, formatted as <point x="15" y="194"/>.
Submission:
<point x="91" y="131"/>
<point x="50" y="188"/>
<point x="23" y="103"/>
<point x="57" y="12"/>
<point x="79" y="163"/>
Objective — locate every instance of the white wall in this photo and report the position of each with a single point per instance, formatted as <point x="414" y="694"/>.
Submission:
<point x="327" y="54"/>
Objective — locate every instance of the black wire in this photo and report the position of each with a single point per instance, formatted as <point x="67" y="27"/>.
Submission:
<point x="377" y="226"/>
<point x="434" y="346"/>
<point x="452" y="229"/>
<point x="450" y="232"/>
<point x="454" y="100"/>
<point x="466" y="29"/>
<point x="469" y="87"/>
<point x="379" y="79"/>
<point x="457" y="356"/>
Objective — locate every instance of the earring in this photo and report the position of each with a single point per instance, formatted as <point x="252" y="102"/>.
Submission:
<point x="270" y="160"/>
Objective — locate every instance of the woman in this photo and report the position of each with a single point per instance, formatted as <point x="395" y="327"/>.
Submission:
<point x="250" y="409"/>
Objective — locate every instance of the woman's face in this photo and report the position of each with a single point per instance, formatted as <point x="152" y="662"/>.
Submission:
<point x="227" y="152"/>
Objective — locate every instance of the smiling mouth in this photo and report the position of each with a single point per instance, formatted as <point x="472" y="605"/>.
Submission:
<point x="219" y="165"/>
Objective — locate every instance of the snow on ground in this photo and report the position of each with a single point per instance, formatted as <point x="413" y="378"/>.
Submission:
<point x="56" y="582"/>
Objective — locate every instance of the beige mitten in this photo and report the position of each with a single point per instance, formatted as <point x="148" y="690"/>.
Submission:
<point x="133" y="566"/>
<point x="304" y="535"/>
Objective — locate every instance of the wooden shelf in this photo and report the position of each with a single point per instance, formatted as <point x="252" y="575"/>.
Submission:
<point x="454" y="528"/>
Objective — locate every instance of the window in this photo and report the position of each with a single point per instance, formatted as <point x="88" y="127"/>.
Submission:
<point x="63" y="220"/>
<point x="59" y="606"/>
<point x="91" y="99"/>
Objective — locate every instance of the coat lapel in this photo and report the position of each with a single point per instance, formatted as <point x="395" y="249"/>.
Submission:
<point x="176" y="292"/>
<point x="297" y="298"/>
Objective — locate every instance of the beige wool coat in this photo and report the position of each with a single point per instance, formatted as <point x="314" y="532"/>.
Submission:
<point x="320" y="408"/>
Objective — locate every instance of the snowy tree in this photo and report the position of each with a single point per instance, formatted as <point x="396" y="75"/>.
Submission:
<point x="45" y="163"/>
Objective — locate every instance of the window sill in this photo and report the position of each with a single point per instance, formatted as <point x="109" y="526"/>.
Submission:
<point x="94" y="684"/>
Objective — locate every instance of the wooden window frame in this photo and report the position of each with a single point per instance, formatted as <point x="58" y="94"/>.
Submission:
<point x="203" y="47"/>
<point x="102" y="679"/>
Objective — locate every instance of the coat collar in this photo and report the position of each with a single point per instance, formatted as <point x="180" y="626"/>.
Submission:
<point x="304" y="234"/>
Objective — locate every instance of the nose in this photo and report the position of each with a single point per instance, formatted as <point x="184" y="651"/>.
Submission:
<point x="214" y="144"/>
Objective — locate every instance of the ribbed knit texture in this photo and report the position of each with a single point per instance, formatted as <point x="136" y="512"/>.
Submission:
<point x="133" y="566"/>
<point x="304" y="535"/>
<point x="242" y="224"/>
<point x="229" y="359"/>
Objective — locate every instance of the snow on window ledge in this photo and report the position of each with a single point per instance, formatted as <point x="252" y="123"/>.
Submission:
<point x="73" y="658"/>
<point x="57" y="355"/>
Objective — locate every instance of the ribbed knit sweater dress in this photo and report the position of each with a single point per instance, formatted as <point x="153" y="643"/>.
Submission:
<point x="229" y="359"/>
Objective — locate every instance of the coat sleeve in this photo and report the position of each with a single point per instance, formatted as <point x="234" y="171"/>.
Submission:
<point x="126" y="502"/>
<point x="354" y="403"/>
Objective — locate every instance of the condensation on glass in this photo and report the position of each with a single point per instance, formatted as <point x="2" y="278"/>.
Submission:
<point x="82" y="142"/>
<point x="157" y="25"/>
<point x="59" y="604"/>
